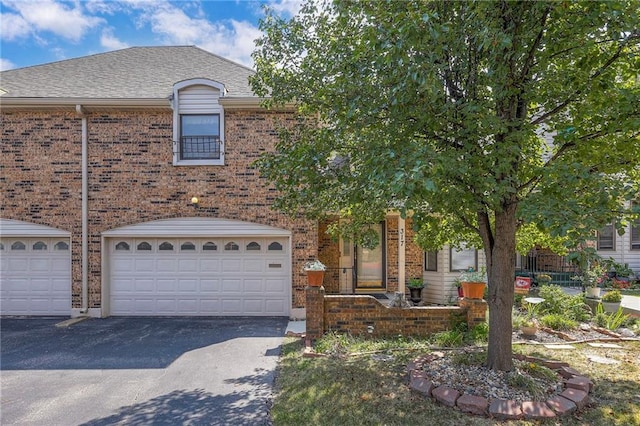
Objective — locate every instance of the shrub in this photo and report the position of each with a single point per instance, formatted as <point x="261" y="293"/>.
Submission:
<point x="556" y="301"/>
<point x="558" y="322"/>
<point x="612" y="296"/>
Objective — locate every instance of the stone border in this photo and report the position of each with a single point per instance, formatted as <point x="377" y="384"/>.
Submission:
<point x="575" y="395"/>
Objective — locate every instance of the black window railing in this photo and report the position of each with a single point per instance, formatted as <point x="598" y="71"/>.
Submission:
<point x="200" y="148"/>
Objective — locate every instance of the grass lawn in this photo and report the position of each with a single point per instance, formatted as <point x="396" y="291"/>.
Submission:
<point x="364" y="382"/>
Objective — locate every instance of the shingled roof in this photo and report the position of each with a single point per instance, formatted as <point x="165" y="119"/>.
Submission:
<point x="132" y="73"/>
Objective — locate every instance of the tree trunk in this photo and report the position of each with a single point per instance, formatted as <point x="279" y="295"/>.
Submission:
<point x="500" y="255"/>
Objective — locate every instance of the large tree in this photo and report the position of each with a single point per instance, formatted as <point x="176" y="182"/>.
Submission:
<point x="474" y="117"/>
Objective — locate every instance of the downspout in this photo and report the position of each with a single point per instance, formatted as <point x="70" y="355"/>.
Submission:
<point x="401" y="255"/>
<point x="85" y="213"/>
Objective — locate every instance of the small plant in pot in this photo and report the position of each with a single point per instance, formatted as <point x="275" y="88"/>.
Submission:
<point x="611" y="300"/>
<point x="315" y="273"/>
<point x="415" y="286"/>
<point x="473" y="283"/>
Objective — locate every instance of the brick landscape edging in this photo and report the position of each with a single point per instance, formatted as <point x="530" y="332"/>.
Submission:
<point x="575" y="395"/>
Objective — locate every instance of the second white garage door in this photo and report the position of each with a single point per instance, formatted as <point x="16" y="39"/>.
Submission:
<point x="200" y="276"/>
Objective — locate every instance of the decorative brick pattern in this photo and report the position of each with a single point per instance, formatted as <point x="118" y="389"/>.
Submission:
<point x="132" y="179"/>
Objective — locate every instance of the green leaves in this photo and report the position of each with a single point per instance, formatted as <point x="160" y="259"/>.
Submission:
<point x="442" y="109"/>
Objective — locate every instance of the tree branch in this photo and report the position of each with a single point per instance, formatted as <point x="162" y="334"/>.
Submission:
<point x="592" y="77"/>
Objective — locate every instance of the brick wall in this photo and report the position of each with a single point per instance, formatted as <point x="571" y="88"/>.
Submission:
<point x="364" y="315"/>
<point x="132" y="179"/>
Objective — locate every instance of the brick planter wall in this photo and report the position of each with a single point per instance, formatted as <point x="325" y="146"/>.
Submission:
<point x="364" y="315"/>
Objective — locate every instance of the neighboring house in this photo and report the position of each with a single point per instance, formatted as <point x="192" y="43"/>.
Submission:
<point x="101" y="158"/>
<point x="128" y="188"/>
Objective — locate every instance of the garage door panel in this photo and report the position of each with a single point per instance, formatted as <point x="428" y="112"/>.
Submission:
<point x="147" y="286"/>
<point x="32" y="281"/>
<point x="209" y="285"/>
<point x="209" y="265"/>
<point x="18" y="265"/>
<point x="273" y="306"/>
<point x="40" y="285"/>
<point x="188" y="265"/>
<point x="253" y="306"/>
<point x="145" y="265"/>
<point x="253" y="285"/>
<point x="275" y="285"/>
<point x="200" y="282"/>
<point x="253" y="265"/>
<point x="166" y="265"/>
<point x="210" y="306"/>
<point x="188" y="285"/>
<point x="40" y="265"/>
<point x="232" y="306"/>
<point x="231" y="285"/>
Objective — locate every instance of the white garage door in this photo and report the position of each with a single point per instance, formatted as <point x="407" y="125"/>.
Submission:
<point x="35" y="276"/>
<point x="200" y="276"/>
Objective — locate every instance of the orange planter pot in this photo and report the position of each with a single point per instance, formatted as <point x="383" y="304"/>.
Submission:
<point x="473" y="290"/>
<point x="315" y="278"/>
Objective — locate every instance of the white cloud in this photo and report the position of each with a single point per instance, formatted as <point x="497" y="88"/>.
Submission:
<point x="230" y="39"/>
<point x="13" y="26"/>
<point x="58" y="18"/>
<point x="111" y="42"/>
<point x="6" y="64"/>
<point x="288" y="7"/>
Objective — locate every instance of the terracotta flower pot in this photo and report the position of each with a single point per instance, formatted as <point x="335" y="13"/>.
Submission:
<point x="315" y="278"/>
<point x="473" y="290"/>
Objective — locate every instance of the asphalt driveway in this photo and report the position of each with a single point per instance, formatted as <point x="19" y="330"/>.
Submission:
<point x="138" y="371"/>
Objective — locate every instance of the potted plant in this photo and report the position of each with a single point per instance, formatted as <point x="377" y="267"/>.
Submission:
<point x="315" y="273"/>
<point x="473" y="283"/>
<point x="611" y="301"/>
<point x="529" y="324"/>
<point x="591" y="278"/>
<point x="415" y="290"/>
<point x="458" y="285"/>
<point x="543" y="279"/>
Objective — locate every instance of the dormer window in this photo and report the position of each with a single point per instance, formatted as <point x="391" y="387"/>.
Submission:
<point x="200" y="137"/>
<point x="198" y="123"/>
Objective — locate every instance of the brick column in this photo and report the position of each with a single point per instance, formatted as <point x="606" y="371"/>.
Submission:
<point x="315" y="312"/>
<point x="476" y="310"/>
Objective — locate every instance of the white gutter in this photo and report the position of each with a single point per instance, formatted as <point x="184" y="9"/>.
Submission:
<point x="85" y="213"/>
<point x="9" y="102"/>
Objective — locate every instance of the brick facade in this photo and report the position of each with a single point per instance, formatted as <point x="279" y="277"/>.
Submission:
<point x="132" y="179"/>
<point x="364" y="315"/>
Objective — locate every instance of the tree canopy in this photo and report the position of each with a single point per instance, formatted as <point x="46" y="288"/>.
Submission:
<point x="476" y="118"/>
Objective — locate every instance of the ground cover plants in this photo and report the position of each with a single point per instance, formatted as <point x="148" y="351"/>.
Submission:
<point x="361" y="381"/>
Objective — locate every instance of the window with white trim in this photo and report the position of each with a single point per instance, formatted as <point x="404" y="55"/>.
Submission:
<point x="200" y="137"/>
<point x="198" y="123"/>
<point x="635" y="234"/>
<point x="463" y="259"/>
<point x="430" y="260"/>
<point x="606" y="237"/>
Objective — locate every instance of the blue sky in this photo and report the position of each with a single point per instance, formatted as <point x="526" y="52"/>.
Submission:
<point x="34" y="32"/>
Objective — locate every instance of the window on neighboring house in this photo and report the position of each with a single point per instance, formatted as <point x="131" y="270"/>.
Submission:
<point x="463" y="259"/>
<point x="200" y="137"/>
<point x="198" y="123"/>
<point x="430" y="260"/>
<point x="606" y="238"/>
<point x="635" y="235"/>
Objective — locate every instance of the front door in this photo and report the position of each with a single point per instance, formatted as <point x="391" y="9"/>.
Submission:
<point x="361" y="269"/>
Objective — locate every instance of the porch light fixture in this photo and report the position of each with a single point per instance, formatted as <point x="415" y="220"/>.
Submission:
<point x="194" y="201"/>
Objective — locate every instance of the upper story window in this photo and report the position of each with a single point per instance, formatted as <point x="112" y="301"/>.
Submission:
<point x="198" y="123"/>
<point x="200" y="137"/>
<point x="606" y="238"/>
